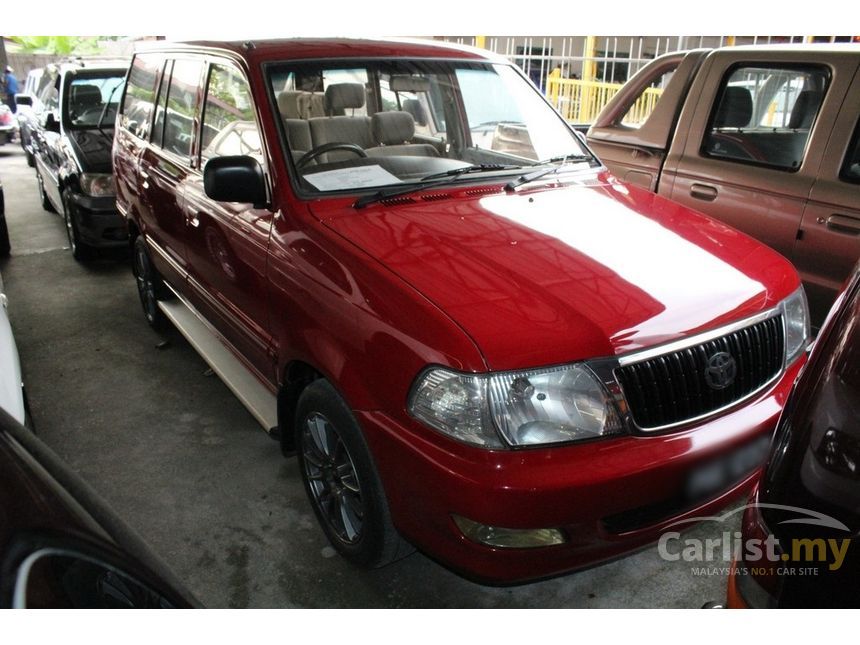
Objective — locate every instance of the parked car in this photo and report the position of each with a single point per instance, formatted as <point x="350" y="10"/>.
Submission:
<point x="814" y="464"/>
<point x="11" y="384"/>
<point x="30" y="108"/>
<point x="72" y="151"/>
<point x="7" y="125"/>
<point x="765" y="139"/>
<point x="5" y="246"/>
<point x="61" y="546"/>
<point x="476" y="339"/>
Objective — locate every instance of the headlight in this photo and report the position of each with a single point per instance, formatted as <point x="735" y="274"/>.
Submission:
<point x="528" y="408"/>
<point x="795" y="313"/>
<point x="97" y="184"/>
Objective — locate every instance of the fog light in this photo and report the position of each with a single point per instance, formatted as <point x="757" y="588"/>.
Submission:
<point x="508" y="538"/>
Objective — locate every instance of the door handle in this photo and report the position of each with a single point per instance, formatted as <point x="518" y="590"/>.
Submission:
<point x="843" y="224"/>
<point x="641" y="152"/>
<point x="703" y="192"/>
<point x="192" y="217"/>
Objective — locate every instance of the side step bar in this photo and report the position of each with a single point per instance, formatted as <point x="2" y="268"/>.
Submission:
<point x="255" y="396"/>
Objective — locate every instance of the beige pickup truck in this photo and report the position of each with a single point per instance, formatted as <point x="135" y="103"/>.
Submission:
<point x="766" y="139"/>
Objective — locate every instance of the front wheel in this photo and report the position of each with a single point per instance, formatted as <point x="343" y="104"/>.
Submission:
<point x="5" y="246"/>
<point x="150" y="286"/>
<point x="341" y="480"/>
<point x="80" y="251"/>
<point x="43" y="195"/>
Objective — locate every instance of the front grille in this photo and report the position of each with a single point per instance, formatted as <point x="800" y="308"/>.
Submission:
<point x="674" y="388"/>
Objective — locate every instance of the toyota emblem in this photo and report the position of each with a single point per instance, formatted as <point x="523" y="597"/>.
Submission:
<point x="721" y="371"/>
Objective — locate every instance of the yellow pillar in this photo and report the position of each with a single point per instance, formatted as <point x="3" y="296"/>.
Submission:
<point x="481" y="41"/>
<point x="730" y="40"/>
<point x="589" y="73"/>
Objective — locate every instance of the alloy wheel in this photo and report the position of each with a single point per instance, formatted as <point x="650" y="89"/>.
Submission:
<point x="145" y="284"/>
<point x="332" y="479"/>
<point x="70" y="231"/>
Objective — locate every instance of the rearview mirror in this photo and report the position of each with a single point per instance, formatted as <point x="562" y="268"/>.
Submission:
<point x="235" y="179"/>
<point x="51" y="123"/>
<point x="23" y="99"/>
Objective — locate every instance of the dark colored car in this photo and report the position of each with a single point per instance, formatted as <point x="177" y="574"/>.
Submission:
<point x="5" y="246"/>
<point x="814" y="468"/>
<point x="30" y="108"/>
<point x="61" y="546"/>
<point x="409" y="267"/>
<point x="72" y="149"/>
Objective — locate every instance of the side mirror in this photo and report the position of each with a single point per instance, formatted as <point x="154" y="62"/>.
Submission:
<point x="24" y="99"/>
<point x="235" y="179"/>
<point x="51" y="123"/>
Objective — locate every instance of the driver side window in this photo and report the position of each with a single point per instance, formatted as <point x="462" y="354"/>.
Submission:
<point x="229" y="126"/>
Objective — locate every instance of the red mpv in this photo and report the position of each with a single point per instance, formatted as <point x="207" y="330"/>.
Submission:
<point x="477" y="341"/>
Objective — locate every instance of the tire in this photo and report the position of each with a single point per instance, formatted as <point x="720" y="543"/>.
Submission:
<point x="80" y="251"/>
<point x="31" y="160"/>
<point x="150" y="286"/>
<point x="5" y="246"/>
<point x="341" y="481"/>
<point x="46" y="203"/>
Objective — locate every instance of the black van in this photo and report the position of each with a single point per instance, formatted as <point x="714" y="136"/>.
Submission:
<point x="72" y="150"/>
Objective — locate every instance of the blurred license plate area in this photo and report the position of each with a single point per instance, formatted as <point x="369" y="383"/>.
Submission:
<point x="720" y="473"/>
<point x="706" y="481"/>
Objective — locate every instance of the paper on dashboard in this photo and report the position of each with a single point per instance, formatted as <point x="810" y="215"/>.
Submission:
<point x="347" y="178"/>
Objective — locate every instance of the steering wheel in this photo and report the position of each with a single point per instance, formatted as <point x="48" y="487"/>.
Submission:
<point x="310" y="155"/>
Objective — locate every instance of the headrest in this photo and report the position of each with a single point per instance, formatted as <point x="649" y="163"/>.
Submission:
<point x="86" y="95"/>
<point x="392" y="128"/>
<point x="414" y="107"/>
<point x="735" y="109"/>
<point x="288" y="104"/>
<point x="341" y="96"/>
<point x="804" y="110"/>
<point x="403" y="83"/>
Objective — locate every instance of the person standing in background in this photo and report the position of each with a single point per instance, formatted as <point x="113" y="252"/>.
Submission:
<point x="11" y="88"/>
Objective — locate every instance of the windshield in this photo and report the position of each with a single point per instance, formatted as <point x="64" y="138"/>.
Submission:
<point x="351" y="125"/>
<point x="87" y="97"/>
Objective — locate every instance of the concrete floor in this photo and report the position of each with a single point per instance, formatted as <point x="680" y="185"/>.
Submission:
<point x="179" y="458"/>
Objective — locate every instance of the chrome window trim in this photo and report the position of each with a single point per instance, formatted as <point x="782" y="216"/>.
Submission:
<point x="605" y="368"/>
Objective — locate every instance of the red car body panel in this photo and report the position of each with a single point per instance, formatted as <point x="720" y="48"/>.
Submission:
<point x="579" y="267"/>
<point x="575" y="487"/>
<point x="563" y="273"/>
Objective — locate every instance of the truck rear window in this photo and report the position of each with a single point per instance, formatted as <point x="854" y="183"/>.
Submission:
<point x="764" y="115"/>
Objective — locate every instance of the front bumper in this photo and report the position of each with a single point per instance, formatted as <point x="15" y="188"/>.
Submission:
<point x="99" y="222"/>
<point x="581" y="489"/>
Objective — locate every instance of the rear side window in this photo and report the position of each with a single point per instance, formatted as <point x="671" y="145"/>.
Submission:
<point x="851" y="165"/>
<point x="139" y="96"/>
<point x="181" y="105"/>
<point x="764" y="115"/>
<point x="229" y="127"/>
<point x="640" y="110"/>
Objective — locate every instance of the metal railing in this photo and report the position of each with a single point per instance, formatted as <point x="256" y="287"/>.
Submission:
<point x="581" y="101"/>
<point x="580" y="74"/>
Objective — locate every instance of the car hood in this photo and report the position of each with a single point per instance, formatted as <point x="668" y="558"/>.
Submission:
<point x="93" y="149"/>
<point x="564" y="272"/>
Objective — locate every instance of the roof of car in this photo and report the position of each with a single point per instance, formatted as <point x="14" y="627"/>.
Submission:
<point x="321" y="48"/>
<point x="853" y="48"/>
<point x="84" y="65"/>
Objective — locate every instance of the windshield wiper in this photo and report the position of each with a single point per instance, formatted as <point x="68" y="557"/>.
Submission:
<point x="543" y="172"/>
<point x="366" y="200"/>
<point x="483" y="167"/>
<point x="430" y="181"/>
<point x="105" y="109"/>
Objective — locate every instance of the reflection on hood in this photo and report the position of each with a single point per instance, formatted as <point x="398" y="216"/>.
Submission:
<point x="93" y="149"/>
